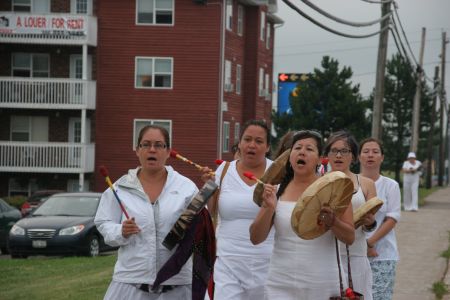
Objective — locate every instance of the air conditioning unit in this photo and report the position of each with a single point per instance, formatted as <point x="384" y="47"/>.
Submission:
<point x="229" y="87"/>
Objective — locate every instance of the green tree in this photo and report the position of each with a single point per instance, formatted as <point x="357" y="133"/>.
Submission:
<point x="400" y="87"/>
<point x="326" y="101"/>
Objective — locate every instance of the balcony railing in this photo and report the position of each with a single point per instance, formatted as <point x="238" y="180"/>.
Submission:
<point x="46" y="157"/>
<point x="47" y="93"/>
<point x="54" y="29"/>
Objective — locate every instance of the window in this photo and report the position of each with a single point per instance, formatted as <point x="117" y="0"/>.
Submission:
<point x="36" y="6"/>
<point x="154" y="12"/>
<point x="237" y="131"/>
<point x="82" y="7"/>
<point x="261" y="82"/>
<point x="20" y="186"/>
<point x="29" y="128"/>
<point x="267" y="87"/>
<point x="268" y="37"/>
<point x="263" y="26"/>
<point x="238" y="79"/>
<point x="21" y="5"/>
<point x="226" y="137"/>
<point x="20" y="129"/>
<point x="153" y="72"/>
<point x="30" y="65"/>
<point x="240" y="20"/>
<point x="141" y="123"/>
<point x="229" y="15"/>
<point x="228" y="87"/>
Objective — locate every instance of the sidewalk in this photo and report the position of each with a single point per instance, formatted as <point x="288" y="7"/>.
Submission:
<point x="422" y="236"/>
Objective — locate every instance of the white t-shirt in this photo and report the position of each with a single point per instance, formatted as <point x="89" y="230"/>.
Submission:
<point x="237" y="211"/>
<point x="388" y="191"/>
<point x="411" y="176"/>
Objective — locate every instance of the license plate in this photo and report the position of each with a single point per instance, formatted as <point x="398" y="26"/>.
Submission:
<point x="39" y="244"/>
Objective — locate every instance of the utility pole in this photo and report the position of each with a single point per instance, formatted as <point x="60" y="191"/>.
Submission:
<point x="442" y="109"/>
<point x="416" y="105"/>
<point x="429" y="179"/>
<point x="381" y="68"/>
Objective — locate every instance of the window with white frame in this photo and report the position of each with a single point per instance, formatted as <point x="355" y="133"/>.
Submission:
<point x="238" y="79"/>
<point x="240" y="20"/>
<point x="229" y="15"/>
<point x="152" y="72"/>
<point x="30" y="65"/>
<point x="82" y="7"/>
<point x="141" y="123"/>
<point x="226" y="137"/>
<point x="237" y="131"/>
<point x="21" y="5"/>
<point x="36" y="6"/>
<point x="261" y="82"/>
<point x="263" y="26"/>
<point x="29" y="128"/>
<point x="20" y="129"/>
<point x="154" y="12"/>
<point x="267" y="86"/>
<point x="21" y="187"/>
<point x="228" y="87"/>
<point x="268" y="36"/>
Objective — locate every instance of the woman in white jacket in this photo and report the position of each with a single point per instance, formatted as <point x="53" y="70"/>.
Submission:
<point x="154" y="195"/>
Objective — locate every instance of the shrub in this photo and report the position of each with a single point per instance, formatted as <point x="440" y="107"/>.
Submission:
<point x="16" y="201"/>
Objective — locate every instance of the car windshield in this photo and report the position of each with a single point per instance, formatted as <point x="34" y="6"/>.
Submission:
<point x="85" y="206"/>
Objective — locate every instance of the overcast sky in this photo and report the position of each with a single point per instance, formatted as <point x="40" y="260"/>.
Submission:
<point x="300" y="45"/>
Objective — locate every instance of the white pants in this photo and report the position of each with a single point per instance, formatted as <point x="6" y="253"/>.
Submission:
<point x="240" y="278"/>
<point x="411" y="195"/>
<point x="126" y="291"/>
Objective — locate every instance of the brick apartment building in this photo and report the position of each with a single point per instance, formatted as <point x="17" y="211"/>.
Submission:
<point x="79" y="78"/>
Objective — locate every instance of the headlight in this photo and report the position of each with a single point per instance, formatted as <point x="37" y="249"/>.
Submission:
<point x="16" y="230"/>
<point x="71" y="230"/>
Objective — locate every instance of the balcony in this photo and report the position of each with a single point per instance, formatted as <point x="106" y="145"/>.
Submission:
<point x="47" y="93"/>
<point x="27" y="157"/>
<point x="49" y="29"/>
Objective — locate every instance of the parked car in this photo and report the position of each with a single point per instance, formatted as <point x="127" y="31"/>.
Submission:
<point x="8" y="216"/>
<point x="63" y="224"/>
<point x="36" y="199"/>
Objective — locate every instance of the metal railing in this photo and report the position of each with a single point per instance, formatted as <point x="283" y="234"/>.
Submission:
<point x="47" y="93"/>
<point x="46" y="157"/>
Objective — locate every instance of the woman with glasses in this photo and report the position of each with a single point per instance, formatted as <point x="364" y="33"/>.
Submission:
<point x="154" y="196"/>
<point x="241" y="268"/>
<point x="382" y="243"/>
<point x="342" y="151"/>
<point x="300" y="269"/>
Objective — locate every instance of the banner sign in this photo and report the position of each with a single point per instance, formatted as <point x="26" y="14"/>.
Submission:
<point x="43" y="24"/>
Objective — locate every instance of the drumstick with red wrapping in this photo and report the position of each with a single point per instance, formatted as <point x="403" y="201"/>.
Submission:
<point x="104" y="172"/>
<point x="250" y="175"/>
<point x="175" y="154"/>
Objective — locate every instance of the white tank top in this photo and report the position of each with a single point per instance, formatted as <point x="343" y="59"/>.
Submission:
<point x="359" y="246"/>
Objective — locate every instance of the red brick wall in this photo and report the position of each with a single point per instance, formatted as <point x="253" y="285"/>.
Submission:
<point x="194" y="43"/>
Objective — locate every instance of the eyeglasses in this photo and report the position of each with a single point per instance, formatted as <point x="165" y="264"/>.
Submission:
<point x="343" y="151"/>
<point x="155" y="145"/>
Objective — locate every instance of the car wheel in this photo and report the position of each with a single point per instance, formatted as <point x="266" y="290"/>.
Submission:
<point x="93" y="246"/>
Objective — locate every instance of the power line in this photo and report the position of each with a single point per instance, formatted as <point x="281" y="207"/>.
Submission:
<point x="342" y="21"/>
<point x="377" y="2"/>
<point x="288" y="3"/>
<point x="403" y="31"/>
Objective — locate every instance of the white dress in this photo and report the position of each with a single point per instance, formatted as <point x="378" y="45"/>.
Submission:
<point x="359" y="263"/>
<point x="301" y="269"/>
